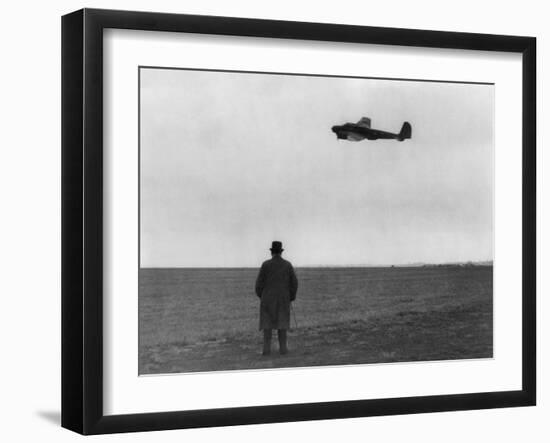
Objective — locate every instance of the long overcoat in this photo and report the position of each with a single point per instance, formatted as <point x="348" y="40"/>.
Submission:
<point x="276" y="286"/>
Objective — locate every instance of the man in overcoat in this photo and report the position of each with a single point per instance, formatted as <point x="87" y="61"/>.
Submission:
<point x="276" y="286"/>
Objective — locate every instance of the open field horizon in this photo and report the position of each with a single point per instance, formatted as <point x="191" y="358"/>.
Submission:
<point x="365" y="265"/>
<point x="206" y="319"/>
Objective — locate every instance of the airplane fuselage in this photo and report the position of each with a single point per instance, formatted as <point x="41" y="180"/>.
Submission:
<point x="353" y="132"/>
<point x="358" y="132"/>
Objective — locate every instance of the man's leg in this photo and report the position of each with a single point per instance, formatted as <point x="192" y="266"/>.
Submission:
<point x="282" y="341"/>
<point x="267" y="342"/>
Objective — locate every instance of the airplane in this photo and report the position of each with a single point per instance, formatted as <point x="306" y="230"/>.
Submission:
<point x="362" y="130"/>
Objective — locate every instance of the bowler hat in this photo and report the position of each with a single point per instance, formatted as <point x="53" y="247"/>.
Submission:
<point x="276" y="246"/>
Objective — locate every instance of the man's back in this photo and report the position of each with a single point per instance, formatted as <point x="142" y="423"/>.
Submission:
<point x="277" y="278"/>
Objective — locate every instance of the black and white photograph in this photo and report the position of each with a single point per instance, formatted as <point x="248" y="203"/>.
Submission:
<point x="266" y="222"/>
<point x="297" y="220"/>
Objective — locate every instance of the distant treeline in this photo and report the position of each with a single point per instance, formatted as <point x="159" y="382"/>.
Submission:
<point x="468" y="264"/>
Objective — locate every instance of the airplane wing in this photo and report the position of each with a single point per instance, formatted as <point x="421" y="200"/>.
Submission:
<point x="364" y="122"/>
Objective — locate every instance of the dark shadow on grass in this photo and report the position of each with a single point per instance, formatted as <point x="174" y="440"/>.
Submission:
<point x="54" y="417"/>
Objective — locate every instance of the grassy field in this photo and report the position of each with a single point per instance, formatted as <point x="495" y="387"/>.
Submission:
<point x="207" y="319"/>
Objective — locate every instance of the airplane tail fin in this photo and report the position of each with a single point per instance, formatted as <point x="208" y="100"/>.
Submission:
<point x="406" y="131"/>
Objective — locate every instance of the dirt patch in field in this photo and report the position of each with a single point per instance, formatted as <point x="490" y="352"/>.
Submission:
<point x="462" y="332"/>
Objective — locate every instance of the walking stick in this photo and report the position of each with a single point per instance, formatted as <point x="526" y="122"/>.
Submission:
<point x="294" y="315"/>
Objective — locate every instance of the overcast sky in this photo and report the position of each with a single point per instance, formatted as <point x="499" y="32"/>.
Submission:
<point x="232" y="161"/>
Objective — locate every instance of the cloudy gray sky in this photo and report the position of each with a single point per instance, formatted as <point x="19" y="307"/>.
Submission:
<point x="232" y="161"/>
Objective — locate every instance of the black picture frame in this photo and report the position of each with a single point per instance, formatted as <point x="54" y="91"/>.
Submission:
<point x="82" y="220"/>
